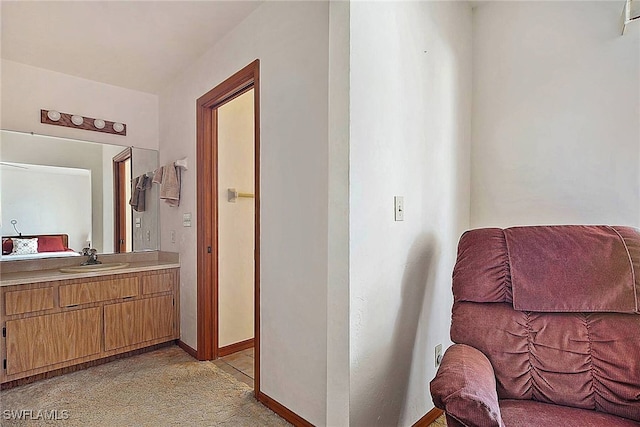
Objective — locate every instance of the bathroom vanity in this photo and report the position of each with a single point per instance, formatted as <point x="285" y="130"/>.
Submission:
<point x="53" y="320"/>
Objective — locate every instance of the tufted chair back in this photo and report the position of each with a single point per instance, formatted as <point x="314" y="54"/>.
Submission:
<point x="555" y="309"/>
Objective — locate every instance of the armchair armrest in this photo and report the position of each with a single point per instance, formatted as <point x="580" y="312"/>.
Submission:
<point x="465" y="387"/>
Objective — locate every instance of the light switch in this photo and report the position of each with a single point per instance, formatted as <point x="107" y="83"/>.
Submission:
<point x="138" y="222"/>
<point x="186" y="219"/>
<point x="398" y="202"/>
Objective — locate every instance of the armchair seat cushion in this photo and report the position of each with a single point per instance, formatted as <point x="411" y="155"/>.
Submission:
<point x="528" y="413"/>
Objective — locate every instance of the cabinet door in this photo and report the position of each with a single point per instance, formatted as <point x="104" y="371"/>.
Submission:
<point x="46" y="340"/>
<point x="156" y="315"/>
<point x="134" y="322"/>
<point x="120" y="326"/>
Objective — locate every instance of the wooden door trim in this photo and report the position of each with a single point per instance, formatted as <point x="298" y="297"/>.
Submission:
<point x="117" y="160"/>
<point x="207" y="210"/>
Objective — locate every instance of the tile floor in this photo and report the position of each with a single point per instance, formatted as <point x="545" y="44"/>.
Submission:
<point x="239" y="365"/>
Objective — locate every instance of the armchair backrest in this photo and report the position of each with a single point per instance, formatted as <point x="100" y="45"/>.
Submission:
<point x="555" y="309"/>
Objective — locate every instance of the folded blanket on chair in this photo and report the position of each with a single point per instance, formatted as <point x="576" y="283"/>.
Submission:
<point x="570" y="269"/>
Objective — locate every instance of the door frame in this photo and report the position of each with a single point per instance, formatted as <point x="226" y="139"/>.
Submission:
<point x="207" y="211"/>
<point x="119" y="219"/>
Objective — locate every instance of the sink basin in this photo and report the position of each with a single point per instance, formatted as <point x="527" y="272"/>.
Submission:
<point x="94" y="267"/>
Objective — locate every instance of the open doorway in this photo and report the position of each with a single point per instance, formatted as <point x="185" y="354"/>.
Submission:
<point x="236" y="213"/>
<point x="228" y="197"/>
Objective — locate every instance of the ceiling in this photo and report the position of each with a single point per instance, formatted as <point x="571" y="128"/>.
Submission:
<point x="139" y="45"/>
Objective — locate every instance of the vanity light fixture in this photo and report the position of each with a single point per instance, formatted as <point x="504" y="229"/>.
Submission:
<point x="53" y="117"/>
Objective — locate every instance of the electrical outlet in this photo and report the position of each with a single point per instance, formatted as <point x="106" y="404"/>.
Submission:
<point x="438" y="355"/>
<point x="173" y="236"/>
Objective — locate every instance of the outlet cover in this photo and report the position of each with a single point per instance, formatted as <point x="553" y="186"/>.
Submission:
<point x="186" y="219"/>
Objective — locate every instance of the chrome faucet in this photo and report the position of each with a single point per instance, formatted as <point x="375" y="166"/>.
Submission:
<point x="93" y="256"/>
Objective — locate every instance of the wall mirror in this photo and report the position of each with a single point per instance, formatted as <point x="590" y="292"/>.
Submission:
<point x="81" y="189"/>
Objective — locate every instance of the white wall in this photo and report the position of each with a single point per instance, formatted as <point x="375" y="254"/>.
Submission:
<point x="556" y="114"/>
<point x="291" y="41"/>
<point x="236" y="220"/>
<point x="26" y="90"/>
<point x="57" y="203"/>
<point x="410" y="135"/>
<point x="338" y="367"/>
<point x="40" y="150"/>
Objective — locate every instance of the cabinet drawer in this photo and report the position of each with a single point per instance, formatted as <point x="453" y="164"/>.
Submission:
<point x="103" y="290"/>
<point x="18" y="302"/>
<point x="157" y="283"/>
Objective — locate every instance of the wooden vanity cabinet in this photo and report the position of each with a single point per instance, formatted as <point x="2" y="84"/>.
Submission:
<point x="53" y="325"/>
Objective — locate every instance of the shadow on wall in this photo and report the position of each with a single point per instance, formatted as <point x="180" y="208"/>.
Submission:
<point x="417" y="285"/>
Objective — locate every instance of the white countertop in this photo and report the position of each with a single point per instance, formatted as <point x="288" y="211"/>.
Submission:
<point x="37" y="276"/>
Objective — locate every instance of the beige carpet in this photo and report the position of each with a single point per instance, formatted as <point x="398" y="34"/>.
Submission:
<point x="440" y="422"/>
<point x="166" y="387"/>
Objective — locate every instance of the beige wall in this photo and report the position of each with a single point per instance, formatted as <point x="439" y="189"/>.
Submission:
<point x="236" y="220"/>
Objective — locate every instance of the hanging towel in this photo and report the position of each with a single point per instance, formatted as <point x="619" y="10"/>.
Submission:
<point x="170" y="187"/>
<point x="157" y="175"/>
<point x="141" y="187"/>
<point x="140" y="184"/>
<point x="134" y="194"/>
<point x="148" y="182"/>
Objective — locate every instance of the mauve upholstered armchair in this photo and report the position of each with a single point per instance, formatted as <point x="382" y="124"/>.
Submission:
<point x="546" y="327"/>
